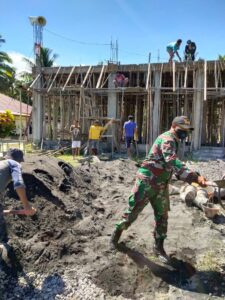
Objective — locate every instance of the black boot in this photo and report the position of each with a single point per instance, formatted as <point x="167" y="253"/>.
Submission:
<point x="159" y="251"/>
<point x="115" y="238"/>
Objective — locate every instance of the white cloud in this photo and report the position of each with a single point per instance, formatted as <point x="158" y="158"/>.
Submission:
<point x="18" y="62"/>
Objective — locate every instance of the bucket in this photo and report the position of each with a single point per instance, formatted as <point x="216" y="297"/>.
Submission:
<point x="210" y="209"/>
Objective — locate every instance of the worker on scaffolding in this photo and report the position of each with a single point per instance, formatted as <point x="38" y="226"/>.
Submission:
<point x="152" y="181"/>
<point x="120" y="80"/>
<point x="189" y="52"/>
<point x="95" y="133"/>
<point x="172" y="48"/>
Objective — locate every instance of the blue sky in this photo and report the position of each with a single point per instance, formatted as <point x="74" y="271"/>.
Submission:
<point x="141" y="26"/>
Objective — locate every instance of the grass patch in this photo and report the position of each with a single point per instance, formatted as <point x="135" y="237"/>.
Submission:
<point x="68" y="158"/>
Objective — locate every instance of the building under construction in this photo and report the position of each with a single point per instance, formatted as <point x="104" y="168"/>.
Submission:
<point x="155" y="94"/>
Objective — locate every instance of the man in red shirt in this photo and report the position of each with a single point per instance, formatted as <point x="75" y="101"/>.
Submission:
<point x="120" y="80"/>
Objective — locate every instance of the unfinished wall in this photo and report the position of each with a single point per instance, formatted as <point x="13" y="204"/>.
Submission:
<point x="155" y="94"/>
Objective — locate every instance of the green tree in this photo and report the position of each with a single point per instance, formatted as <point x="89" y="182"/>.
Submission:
<point x="46" y="59"/>
<point x="7" y="73"/>
<point x="221" y="57"/>
<point x="7" y="123"/>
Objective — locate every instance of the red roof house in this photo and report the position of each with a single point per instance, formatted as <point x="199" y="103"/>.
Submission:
<point x="13" y="105"/>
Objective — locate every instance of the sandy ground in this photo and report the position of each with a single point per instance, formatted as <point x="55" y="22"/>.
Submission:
<point x="63" y="252"/>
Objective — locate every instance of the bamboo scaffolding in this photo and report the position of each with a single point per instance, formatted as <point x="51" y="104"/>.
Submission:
<point x="177" y="93"/>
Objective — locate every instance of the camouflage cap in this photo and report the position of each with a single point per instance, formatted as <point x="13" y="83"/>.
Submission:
<point x="183" y="122"/>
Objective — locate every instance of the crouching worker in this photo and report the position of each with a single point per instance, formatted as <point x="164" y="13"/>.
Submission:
<point x="152" y="181"/>
<point x="10" y="170"/>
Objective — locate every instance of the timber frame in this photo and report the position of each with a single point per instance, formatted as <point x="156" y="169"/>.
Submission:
<point x="155" y="94"/>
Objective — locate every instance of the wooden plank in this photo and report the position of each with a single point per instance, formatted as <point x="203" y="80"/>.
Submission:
<point x="205" y="80"/>
<point x="86" y="76"/>
<point x="174" y="78"/>
<point x="49" y="118"/>
<point x="161" y="72"/>
<point x="55" y="117"/>
<point x="148" y="76"/>
<point x="185" y="76"/>
<point x="215" y="75"/>
<point x="48" y="90"/>
<point x="35" y="80"/>
<point x="100" y="77"/>
<point x="68" y="78"/>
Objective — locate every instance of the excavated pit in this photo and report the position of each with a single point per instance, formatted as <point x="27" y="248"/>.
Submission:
<point x="76" y="213"/>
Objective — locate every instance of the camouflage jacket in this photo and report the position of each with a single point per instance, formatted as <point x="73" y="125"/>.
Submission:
<point x="162" y="161"/>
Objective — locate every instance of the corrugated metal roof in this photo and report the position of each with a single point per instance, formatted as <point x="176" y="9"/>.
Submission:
<point x="13" y="105"/>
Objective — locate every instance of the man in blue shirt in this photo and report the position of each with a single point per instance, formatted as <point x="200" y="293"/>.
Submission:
<point x="172" y="48"/>
<point x="129" y="132"/>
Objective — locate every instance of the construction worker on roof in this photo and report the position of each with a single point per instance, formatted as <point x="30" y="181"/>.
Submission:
<point x="172" y="48"/>
<point x="189" y="52"/>
<point x="120" y="80"/>
<point x="152" y="182"/>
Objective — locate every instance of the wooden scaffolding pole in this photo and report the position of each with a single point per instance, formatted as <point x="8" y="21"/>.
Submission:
<point x="53" y="80"/>
<point x="205" y="80"/>
<point x="100" y="77"/>
<point x="174" y="76"/>
<point x="71" y="72"/>
<point x="86" y="76"/>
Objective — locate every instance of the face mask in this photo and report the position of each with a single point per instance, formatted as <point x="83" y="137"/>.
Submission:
<point x="181" y="134"/>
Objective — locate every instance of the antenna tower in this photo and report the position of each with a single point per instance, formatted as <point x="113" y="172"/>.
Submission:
<point x="38" y="24"/>
<point x="114" y="49"/>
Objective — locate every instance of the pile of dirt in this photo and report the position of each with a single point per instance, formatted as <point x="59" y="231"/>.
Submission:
<point x="77" y="211"/>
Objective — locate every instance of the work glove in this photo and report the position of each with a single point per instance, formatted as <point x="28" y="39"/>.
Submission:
<point x="201" y="180"/>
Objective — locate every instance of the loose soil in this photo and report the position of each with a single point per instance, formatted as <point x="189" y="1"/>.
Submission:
<point x="77" y="212"/>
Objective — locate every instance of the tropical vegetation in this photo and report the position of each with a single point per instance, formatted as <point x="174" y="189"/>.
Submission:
<point x="7" y="124"/>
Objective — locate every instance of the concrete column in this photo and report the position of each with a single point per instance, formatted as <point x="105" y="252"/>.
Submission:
<point x="198" y="109"/>
<point x="156" y="106"/>
<point x="112" y="98"/>
<point x="37" y="117"/>
<point x="112" y="110"/>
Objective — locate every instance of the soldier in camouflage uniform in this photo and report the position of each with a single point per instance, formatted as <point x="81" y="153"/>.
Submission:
<point x="152" y="181"/>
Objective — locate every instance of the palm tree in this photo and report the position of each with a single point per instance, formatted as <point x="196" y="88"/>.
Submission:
<point x="46" y="58"/>
<point x="7" y="73"/>
<point x="221" y="57"/>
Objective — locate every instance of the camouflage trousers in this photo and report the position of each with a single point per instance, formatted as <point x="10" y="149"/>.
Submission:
<point x="141" y="194"/>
